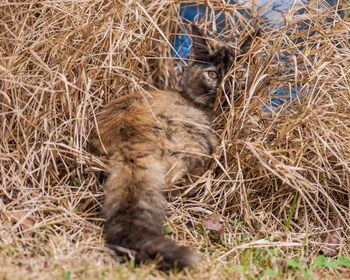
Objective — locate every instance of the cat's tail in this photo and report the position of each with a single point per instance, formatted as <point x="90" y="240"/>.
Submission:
<point x="134" y="210"/>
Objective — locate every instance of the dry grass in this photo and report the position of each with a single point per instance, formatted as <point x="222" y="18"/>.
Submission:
<point x="61" y="61"/>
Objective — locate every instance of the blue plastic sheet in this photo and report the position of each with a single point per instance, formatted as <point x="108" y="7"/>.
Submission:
<point x="272" y="16"/>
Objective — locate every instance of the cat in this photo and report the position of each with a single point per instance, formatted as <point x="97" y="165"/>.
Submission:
<point x="152" y="140"/>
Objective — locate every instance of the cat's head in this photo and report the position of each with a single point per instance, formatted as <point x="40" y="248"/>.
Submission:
<point x="209" y="65"/>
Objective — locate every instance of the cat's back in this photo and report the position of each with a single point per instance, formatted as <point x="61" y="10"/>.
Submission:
<point x="158" y="117"/>
<point x="186" y="127"/>
<point x="171" y="108"/>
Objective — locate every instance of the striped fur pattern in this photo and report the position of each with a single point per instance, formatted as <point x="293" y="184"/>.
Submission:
<point x="152" y="141"/>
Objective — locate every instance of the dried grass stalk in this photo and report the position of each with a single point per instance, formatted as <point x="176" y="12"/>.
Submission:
<point x="61" y="61"/>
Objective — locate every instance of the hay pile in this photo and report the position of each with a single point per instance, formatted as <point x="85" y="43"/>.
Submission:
<point x="281" y="174"/>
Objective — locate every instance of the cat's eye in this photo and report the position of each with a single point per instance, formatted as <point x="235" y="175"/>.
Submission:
<point x="212" y="74"/>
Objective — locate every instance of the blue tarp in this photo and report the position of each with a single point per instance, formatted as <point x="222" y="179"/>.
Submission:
<point x="271" y="16"/>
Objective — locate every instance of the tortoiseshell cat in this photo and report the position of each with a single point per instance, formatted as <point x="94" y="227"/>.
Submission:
<point x="152" y="140"/>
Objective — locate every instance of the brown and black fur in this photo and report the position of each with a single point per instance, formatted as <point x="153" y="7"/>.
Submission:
<point x="152" y="140"/>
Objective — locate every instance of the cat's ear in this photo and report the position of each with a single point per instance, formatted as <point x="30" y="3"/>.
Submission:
<point x="251" y="38"/>
<point x="200" y="45"/>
